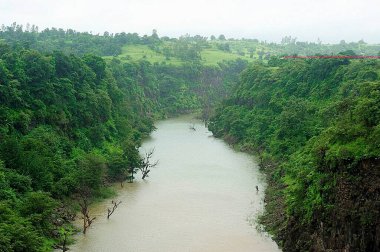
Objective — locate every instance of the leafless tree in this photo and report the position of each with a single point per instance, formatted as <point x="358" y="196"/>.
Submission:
<point x="115" y="204"/>
<point x="84" y="205"/>
<point x="147" y="164"/>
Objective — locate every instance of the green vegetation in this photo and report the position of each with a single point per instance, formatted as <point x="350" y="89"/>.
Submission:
<point x="174" y="51"/>
<point x="66" y="125"/>
<point x="74" y="108"/>
<point x="71" y="125"/>
<point x="315" y="126"/>
<point x="209" y="57"/>
<point x="214" y="56"/>
<point x="143" y="52"/>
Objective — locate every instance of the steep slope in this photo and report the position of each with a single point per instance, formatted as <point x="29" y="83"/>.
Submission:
<point x="315" y="126"/>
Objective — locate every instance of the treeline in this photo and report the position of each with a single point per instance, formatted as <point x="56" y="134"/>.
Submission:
<point x="315" y="127"/>
<point x="70" y="41"/>
<point x="185" y="48"/>
<point x="290" y="46"/>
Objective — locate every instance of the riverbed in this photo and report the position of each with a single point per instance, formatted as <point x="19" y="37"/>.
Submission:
<point x="201" y="197"/>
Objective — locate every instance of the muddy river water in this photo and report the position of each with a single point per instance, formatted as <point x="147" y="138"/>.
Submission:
<point x="201" y="197"/>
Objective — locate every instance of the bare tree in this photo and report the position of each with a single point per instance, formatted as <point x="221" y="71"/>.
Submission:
<point x="115" y="204"/>
<point x="84" y="205"/>
<point x="147" y="164"/>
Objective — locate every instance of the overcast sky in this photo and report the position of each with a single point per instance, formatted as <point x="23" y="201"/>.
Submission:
<point x="329" y="20"/>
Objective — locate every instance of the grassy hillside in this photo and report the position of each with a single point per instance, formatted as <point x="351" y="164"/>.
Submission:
<point x="173" y="51"/>
<point x="209" y="56"/>
<point x="143" y="52"/>
<point x="214" y="56"/>
<point x="211" y="53"/>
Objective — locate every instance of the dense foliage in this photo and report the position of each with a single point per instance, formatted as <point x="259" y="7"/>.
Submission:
<point x="70" y="125"/>
<point x="70" y="41"/>
<point x="71" y="121"/>
<point x="66" y="124"/>
<point x="315" y="126"/>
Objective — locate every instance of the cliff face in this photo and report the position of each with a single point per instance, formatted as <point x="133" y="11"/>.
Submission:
<point x="353" y="224"/>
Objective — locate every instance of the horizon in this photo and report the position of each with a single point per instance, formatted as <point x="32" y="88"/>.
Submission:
<point x="310" y="20"/>
<point x="186" y="34"/>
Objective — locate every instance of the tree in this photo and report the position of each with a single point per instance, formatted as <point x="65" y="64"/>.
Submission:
<point x="38" y="207"/>
<point x="147" y="164"/>
<point x="84" y="202"/>
<point x="64" y="238"/>
<point x="261" y="54"/>
<point x="133" y="158"/>
<point x="348" y="53"/>
<point x="91" y="173"/>
<point x="16" y="232"/>
<point x="154" y="35"/>
<point x="251" y="51"/>
<point x="115" y="204"/>
<point x="221" y="37"/>
<point x="90" y="178"/>
<point x="224" y="47"/>
<point x="117" y="168"/>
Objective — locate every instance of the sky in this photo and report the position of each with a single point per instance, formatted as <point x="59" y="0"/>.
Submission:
<point x="329" y="20"/>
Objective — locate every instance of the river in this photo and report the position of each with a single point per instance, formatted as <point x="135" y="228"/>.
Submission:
<point x="201" y="197"/>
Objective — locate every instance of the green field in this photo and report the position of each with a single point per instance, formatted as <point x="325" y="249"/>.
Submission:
<point x="213" y="56"/>
<point x="209" y="56"/>
<point x="143" y="52"/>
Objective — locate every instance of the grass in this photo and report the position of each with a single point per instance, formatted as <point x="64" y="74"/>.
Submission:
<point x="211" y="56"/>
<point x="143" y="52"/>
